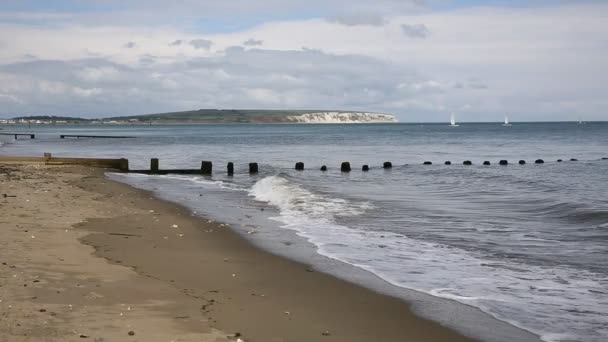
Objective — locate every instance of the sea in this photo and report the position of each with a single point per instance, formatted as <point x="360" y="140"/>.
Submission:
<point x="515" y="252"/>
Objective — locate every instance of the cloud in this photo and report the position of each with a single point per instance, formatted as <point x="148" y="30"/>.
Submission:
<point x="253" y="42"/>
<point x="362" y="19"/>
<point x="201" y="44"/>
<point x="237" y="78"/>
<point x="130" y="45"/>
<point x="474" y="58"/>
<point x="415" y="31"/>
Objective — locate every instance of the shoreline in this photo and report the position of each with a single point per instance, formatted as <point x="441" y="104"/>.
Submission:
<point x="200" y="280"/>
<point x="463" y="318"/>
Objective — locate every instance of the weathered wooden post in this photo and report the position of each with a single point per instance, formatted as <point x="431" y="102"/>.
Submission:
<point x="365" y="168"/>
<point x="522" y="162"/>
<point x="467" y="162"/>
<point x="345" y="167"/>
<point x="503" y="162"/>
<point x="300" y="166"/>
<point x="154" y="165"/>
<point x="487" y="162"/>
<point x="32" y="136"/>
<point x="123" y="165"/>
<point x="62" y="136"/>
<point x="387" y="165"/>
<point x="230" y="168"/>
<point x="559" y="160"/>
<point x="323" y="168"/>
<point x="573" y="159"/>
<point x="427" y="163"/>
<point x="253" y="168"/>
<point x="206" y="167"/>
<point x="447" y="162"/>
<point x="539" y="161"/>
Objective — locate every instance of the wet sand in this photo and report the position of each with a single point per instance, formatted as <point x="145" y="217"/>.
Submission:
<point x="81" y="255"/>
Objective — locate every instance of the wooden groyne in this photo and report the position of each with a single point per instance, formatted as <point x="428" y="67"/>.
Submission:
<point x="17" y="135"/>
<point x="121" y="164"/>
<point x="63" y="136"/>
<point x="206" y="168"/>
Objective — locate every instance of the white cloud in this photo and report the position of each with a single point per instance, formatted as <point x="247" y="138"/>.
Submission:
<point x="253" y="42"/>
<point x="364" y="19"/>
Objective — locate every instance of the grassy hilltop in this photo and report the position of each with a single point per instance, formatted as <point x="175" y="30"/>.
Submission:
<point x="220" y="116"/>
<point x="205" y="116"/>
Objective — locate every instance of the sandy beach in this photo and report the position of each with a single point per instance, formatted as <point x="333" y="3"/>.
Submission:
<point x="86" y="258"/>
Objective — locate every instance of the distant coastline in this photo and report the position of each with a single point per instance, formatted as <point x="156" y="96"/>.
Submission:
<point x="218" y="116"/>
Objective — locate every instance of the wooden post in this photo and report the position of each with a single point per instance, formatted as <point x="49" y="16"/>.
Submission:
<point x="539" y="161"/>
<point x="487" y="162"/>
<point x="559" y="160"/>
<point x="447" y="162"/>
<point x="230" y="169"/>
<point x="32" y="136"/>
<point x="503" y="162"/>
<point x="15" y="136"/>
<point x="573" y="159"/>
<point x="323" y="168"/>
<point x="62" y="136"/>
<point x="206" y="167"/>
<point x="467" y="162"/>
<point x="522" y="162"/>
<point x="427" y="163"/>
<point x="387" y="165"/>
<point x="345" y="167"/>
<point x="300" y="166"/>
<point x="365" y="168"/>
<point x="124" y="165"/>
<point x="253" y="168"/>
<point x="154" y="165"/>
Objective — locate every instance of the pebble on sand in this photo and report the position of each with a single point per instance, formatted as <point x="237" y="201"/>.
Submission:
<point x="131" y="333"/>
<point x="174" y="226"/>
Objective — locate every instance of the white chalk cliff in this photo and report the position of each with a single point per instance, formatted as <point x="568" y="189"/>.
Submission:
<point x="343" y="117"/>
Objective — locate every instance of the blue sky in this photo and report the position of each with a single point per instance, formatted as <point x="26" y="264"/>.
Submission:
<point x="420" y="60"/>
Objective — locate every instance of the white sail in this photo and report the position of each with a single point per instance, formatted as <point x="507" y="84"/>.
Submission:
<point x="453" y="120"/>
<point x="506" y="121"/>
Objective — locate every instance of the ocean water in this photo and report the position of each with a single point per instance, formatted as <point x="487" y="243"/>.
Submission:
<point x="525" y="244"/>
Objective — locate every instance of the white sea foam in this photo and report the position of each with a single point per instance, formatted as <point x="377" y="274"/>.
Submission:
<point x="557" y="303"/>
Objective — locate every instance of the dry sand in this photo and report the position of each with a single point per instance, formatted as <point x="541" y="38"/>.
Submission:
<point x="82" y="257"/>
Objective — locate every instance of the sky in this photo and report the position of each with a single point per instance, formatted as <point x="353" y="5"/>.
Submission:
<point x="535" y="60"/>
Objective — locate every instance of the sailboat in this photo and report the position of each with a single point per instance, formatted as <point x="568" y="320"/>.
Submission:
<point x="506" y="121"/>
<point x="580" y="121"/>
<point x="453" y="121"/>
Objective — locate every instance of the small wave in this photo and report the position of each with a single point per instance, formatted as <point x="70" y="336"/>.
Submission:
<point x="296" y="201"/>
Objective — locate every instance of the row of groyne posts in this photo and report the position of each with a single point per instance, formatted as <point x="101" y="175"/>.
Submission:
<point x="63" y="136"/>
<point x="207" y="167"/>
